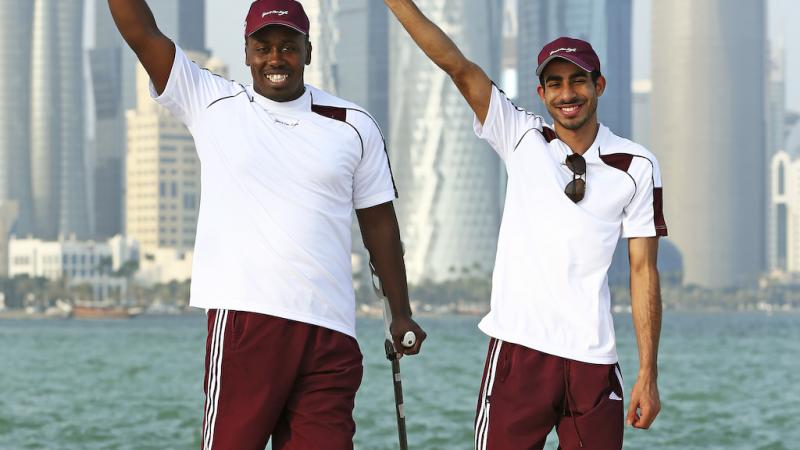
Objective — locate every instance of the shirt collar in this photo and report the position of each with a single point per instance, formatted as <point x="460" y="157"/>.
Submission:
<point x="592" y="153"/>
<point x="302" y="103"/>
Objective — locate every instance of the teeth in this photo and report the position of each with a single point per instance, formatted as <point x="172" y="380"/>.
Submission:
<point x="277" y="78"/>
<point x="569" y="108"/>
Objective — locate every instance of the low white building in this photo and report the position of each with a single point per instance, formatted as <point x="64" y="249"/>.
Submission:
<point x="78" y="261"/>
<point x="162" y="265"/>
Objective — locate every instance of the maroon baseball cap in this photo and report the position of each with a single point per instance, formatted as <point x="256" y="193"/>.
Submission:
<point x="288" y="13"/>
<point x="573" y="50"/>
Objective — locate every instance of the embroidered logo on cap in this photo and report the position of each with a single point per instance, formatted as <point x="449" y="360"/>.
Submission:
<point x="568" y="50"/>
<point x="275" y="11"/>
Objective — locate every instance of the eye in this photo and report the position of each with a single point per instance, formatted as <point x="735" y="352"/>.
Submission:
<point x="553" y="84"/>
<point x="287" y="48"/>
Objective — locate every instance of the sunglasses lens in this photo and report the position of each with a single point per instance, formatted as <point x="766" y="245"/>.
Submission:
<point x="575" y="190"/>
<point x="576" y="164"/>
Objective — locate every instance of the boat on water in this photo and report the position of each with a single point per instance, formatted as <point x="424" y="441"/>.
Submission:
<point x="103" y="311"/>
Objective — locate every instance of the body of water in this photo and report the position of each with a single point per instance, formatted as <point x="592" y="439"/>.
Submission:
<point x="727" y="381"/>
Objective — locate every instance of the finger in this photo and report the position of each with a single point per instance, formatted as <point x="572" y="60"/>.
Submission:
<point x="417" y="347"/>
<point x="646" y="419"/>
<point x="632" y="416"/>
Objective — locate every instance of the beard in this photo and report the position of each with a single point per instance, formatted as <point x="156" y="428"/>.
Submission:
<point x="577" y="122"/>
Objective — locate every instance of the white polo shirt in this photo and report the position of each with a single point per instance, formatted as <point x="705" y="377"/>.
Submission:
<point x="550" y="284"/>
<point x="279" y="185"/>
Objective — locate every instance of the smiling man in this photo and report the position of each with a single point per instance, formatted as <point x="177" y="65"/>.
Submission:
<point x="573" y="191"/>
<point x="283" y="167"/>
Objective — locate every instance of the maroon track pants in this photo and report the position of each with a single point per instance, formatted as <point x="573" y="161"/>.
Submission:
<point x="525" y="393"/>
<point x="272" y="377"/>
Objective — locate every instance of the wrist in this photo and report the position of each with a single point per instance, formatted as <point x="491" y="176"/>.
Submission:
<point x="648" y="373"/>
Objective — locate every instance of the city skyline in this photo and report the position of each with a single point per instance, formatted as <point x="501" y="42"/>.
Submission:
<point x="445" y="195"/>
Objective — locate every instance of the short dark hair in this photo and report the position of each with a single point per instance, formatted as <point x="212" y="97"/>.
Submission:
<point x="595" y="74"/>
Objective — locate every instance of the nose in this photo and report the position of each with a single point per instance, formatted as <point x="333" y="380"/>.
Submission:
<point x="275" y="57"/>
<point x="567" y="92"/>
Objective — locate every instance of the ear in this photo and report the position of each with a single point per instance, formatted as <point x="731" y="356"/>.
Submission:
<point x="540" y="91"/>
<point x="246" y="55"/>
<point x="308" y="52"/>
<point x="600" y="85"/>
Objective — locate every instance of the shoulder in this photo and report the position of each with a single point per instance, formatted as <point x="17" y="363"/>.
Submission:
<point x="628" y="155"/>
<point x="336" y="108"/>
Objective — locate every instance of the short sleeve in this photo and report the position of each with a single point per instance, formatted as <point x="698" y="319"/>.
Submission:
<point x="505" y="124"/>
<point x="190" y="89"/>
<point x="644" y="216"/>
<point x="373" y="183"/>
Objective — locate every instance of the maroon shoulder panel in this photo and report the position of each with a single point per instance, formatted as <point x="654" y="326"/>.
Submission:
<point x="548" y="134"/>
<point x="331" y="112"/>
<point x="658" y="212"/>
<point x="621" y="161"/>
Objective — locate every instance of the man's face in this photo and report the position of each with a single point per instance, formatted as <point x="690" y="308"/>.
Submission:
<point x="277" y="56"/>
<point x="570" y="95"/>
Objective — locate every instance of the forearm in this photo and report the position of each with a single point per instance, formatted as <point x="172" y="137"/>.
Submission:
<point x="646" y="310"/>
<point x="429" y="37"/>
<point x="382" y="240"/>
<point x="134" y="21"/>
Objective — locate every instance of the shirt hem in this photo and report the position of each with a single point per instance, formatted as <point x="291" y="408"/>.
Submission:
<point x="374" y="200"/>
<point x="282" y="313"/>
<point x="591" y="359"/>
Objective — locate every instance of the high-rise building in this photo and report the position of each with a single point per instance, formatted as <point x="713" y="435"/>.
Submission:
<point x="641" y="90"/>
<point x="323" y="33"/>
<point x="606" y="24"/>
<point x="362" y="57"/>
<point x="449" y="207"/>
<point x="105" y="61"/>
<point x="708" y="133"/>
<point x="192" y="25"/>
<point x="162" y="172"/>
<point x="58" y="141"/>
<point x="775" y="135"/>
<point x="15" y="87"/>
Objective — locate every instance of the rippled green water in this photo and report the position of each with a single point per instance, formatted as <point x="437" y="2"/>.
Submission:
<point x="728" y="381"/>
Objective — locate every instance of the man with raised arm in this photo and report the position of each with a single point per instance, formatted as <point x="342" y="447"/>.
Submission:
<point x="283" y="166"/>
<point x="573" y="190"/>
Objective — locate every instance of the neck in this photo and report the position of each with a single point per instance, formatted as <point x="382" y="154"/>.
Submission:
<point x="581" y="139"/>
<point x="281" y="98"/>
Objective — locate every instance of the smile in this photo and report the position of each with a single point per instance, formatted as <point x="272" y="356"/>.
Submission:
<point x="277" y="77"/>
<point x="570" y="110"/>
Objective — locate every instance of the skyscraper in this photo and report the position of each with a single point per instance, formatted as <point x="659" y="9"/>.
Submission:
<point x="775" y="142"/>
<point x="606" y="24"/>
<point x="449" y="207"/>
<point x="708" y="64"/>
<point x="106" y="74"/>
<point x="323" y="34"/>
<point x="162" y="172"/>
<point x="192" y="25"/>
<point x="362" y="56"/>
<point x="58" y="141"/>
<point x="15" y="73"/>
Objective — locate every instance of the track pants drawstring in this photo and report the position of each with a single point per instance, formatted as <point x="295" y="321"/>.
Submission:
<point x="568" y="402"/>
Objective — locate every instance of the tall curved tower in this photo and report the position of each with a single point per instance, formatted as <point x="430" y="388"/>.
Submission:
<point x="58" y="144"/>
<point x="75" y="216"/>
<point x="15" y="73"/>
<point x="46" y="113"/>
<point x="449" y="181"/>
<point x="707" y="128"/>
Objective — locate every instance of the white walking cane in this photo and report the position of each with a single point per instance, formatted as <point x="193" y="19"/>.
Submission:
<point x="409" y="339"/>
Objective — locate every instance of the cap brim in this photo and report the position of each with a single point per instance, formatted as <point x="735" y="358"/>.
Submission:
<point x="574" y="60"/>
<point x="277" y="22"/>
